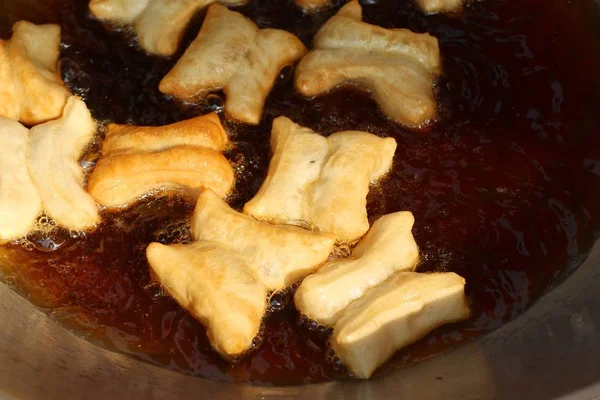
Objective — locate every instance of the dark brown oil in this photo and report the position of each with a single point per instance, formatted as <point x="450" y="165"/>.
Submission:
<point x="505" y="187"/>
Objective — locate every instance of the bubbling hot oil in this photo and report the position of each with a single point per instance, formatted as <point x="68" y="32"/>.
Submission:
<point x="504" y="186"/>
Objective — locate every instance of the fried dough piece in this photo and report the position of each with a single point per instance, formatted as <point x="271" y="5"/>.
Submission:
<point x="388" y="247"/>
<point x="20" y="202"/>
<point x="121" y="179"/>
<point x="321" y="181"/>
<point x="436" y="6"/>
<point x="31" y="89"/>
<point x="338" y="200"/>
<point x="202" y="131"/>
<point x="184" y="156"/>
<point x="278" y="255"/>
<point x="53" y="163"/>
<point x="396" y="65"/>
<point x="205" y="131"/>
<point x="223" y="278"/>
<point x="392" y="315"/>
<point x="299" y="155"/>
<point x="159" y="24"/>
<point x="216" y="286"/>
<point x="231" y="53"/>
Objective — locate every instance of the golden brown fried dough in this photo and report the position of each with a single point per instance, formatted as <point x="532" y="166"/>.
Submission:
<point x="31" y="89"/>
<point x="279" y="255"/>
<point x="388" y="247"/>
<point x="396" y="65"/>
<point x="394" y="314"/>
<point x="20" y="202"/>
<point x="321" y="181"/>
<point x="436" y="6"/>
<point x="231" y="53"/>
<point x="184" y="157"/>
<point x="121" y="179"/>
<point x="205" y="131"/>
<point x="216" y="286"/>
<point x="159" y="24"/>
<point x="53" y="163"/>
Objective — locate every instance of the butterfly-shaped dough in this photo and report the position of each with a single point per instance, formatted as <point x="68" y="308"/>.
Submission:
<point x="31" y="89"/>
<point x="231" y="53"/>
<point x="372" y="301"/>
<point x="394" y="314"/>
<point x="20" y="202"/>
<point x="185" y="156"/>
<point x="278" y="254"/>
<point x="53" y="163"/>
<point x="388" y="247"/>
<point x="216" y="285"/>
<point x="159" y="24"/>
<point x="223" y="278"/>
<point x="321" y="181"/>
<point x="397" y="66"/>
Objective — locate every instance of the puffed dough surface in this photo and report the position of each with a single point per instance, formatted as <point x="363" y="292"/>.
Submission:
<point x="183" y="157"/>
<point x="55" y="148"/>
<point x="216" y="286"/>
<point x="31" y="89"/>
<point x="20" y="202"/>
<point x="320" y="181"/>
<point x="396" y="313"/>
<point x="232" y="54"/>
<point x="158" y="24"/>
<point x="223" y="278"/>
<point x="397" y="66"/>
<point x="388" y="247"/>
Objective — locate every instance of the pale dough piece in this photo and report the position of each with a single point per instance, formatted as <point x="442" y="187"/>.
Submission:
<point x="436" y="6"/>
<point x="31" y="89"/>
<point x="394" y="314"/>
<point x="388" y="247"/>
<point x="396" y="65"/>
<point x="298" y="158"/>
<point x="338" y="200"/>
<point x="159" y="24"/>
<point x="231" y="53"/>
<point x="205" y="131"/>
<point x="214" y="284"/>
<point x="321" y="181"/>
<point x="53" y="163"/>
<point x="121" y="179"/>
<point x="224" y="277"/>
<point x="138" y="160"/>
<point x="20" y="202"/>
<point x="278" y="255"/>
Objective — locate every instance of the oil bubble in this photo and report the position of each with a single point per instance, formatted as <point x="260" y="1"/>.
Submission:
<point x="10" y="281"/>
<point x="285" y="74"/>
<point x="278" y="301"/>
<point x="215" y="102"/>
<point x="338" y="364"/>
<point x="154" y="290"/>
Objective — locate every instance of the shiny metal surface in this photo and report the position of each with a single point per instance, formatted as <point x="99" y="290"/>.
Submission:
<point x="552" y="351"/>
